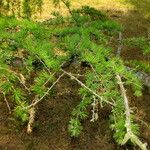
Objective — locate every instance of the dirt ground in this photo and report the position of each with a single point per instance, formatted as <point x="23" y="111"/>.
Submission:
<point x="51" y="125"/>
<point x="53" y="114"/>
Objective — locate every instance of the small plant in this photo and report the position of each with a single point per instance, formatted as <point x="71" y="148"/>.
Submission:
<point x="32" y="50"/>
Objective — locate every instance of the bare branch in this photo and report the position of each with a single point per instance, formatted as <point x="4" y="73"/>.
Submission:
<point x="31" y="120"/>
<point x="83" y="85"/>
<point x="129" y="135"/>
<point x="32" y="112"/>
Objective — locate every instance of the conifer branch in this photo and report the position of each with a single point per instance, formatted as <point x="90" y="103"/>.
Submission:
<point x="39" y="100"/>
<point x="43" y="63"/>
<point x="94" y="72"/>
<point x="21" y="80"/>
<point x="129" y="135"/>
<point x="87" y="88"/>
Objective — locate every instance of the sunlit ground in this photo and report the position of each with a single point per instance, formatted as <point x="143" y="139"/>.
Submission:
<point x="143" y="6"/>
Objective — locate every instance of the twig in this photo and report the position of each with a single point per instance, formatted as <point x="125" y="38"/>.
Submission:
<point x="31" y="120"/>
<point x="49" y="79"/>
<point x="22" y="82"/>
<point x="43" y="63"/>
<point x="94" y="110"/>
<point x="78" y="75"/>
<point x="120" y="44"/>
<point x="94" y="72"/>
<point x="32" y="112"/>
<point x="97" y="76"/>
<point x="70" y="11"/>
<point x="83" y="85"/>
<point x="39" y="100"/>
<point x="129" y="135"/>
<point x="5" y="99"/>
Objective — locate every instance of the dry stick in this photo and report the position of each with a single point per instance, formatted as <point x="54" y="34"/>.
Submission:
<point x="5" y="99"/>
<point x="39" y="100"/>
<point x="31" y="120"/>
<point x="32" y="112"/>
<point x="23" y="84"/>
<point x="120" y="44"/>
<point x="78" y="75"/>
<point x="83" y="85"/>
<point x="129" y="134"/>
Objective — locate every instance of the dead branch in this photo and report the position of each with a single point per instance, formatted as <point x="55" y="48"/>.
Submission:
<point x="31" y="119"/>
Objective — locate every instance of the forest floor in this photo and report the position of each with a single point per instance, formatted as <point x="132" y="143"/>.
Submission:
<point x="51" y="125"/>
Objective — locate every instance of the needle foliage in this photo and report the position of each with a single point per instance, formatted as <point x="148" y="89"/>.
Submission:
<point x="38" y="51"/>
